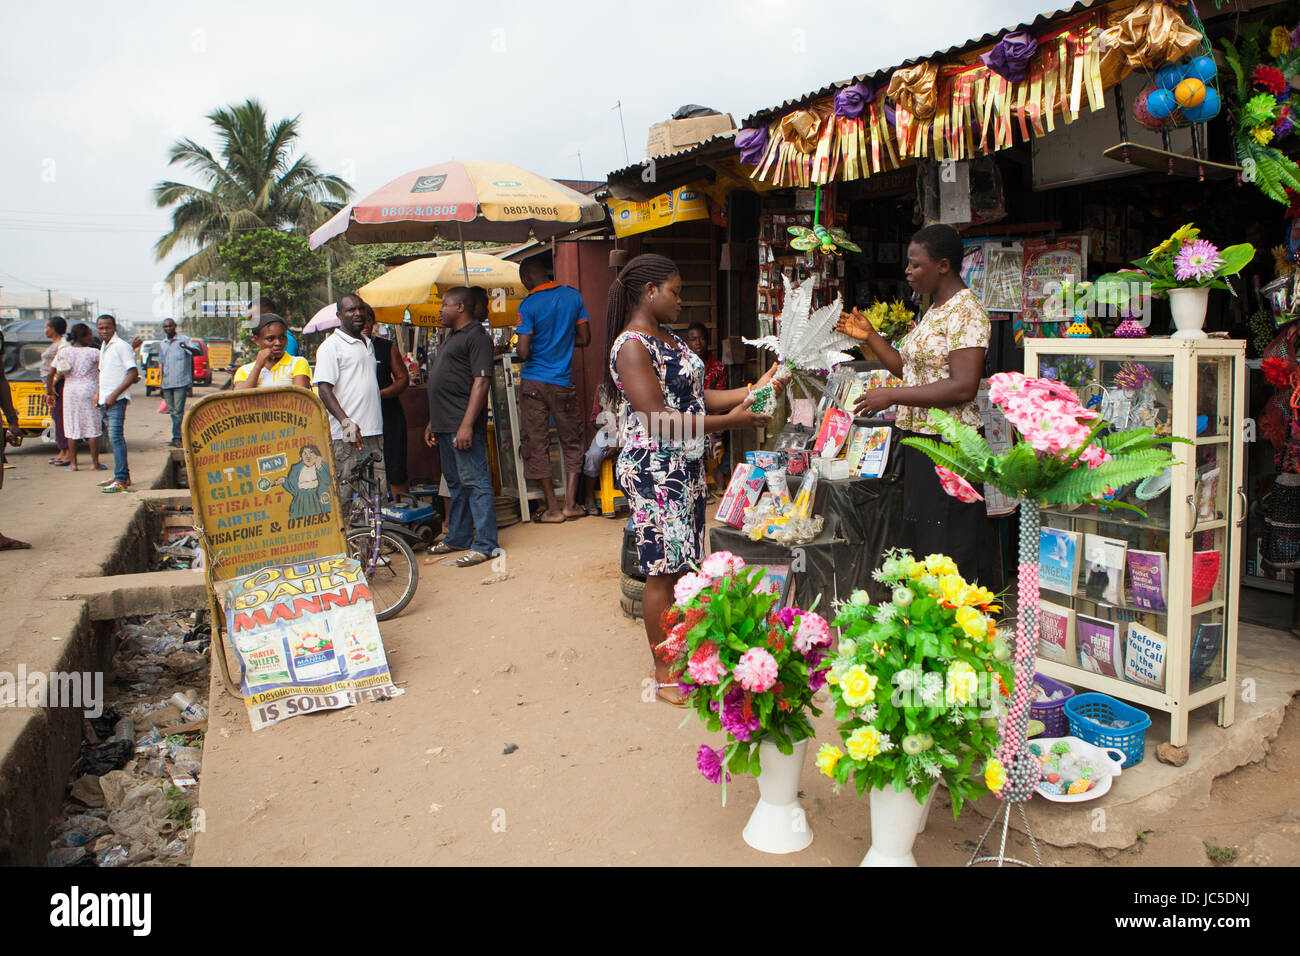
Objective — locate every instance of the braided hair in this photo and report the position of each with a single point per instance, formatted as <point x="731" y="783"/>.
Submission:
<point x="624" y="294"/>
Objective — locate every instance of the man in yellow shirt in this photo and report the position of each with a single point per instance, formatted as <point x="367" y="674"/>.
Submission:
<point x="272" y="366"/>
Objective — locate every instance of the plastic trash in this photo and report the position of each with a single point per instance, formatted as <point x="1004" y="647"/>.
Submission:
<point x="97" y="761"/>
<point x="195" y="712"/>
<point x="113" y="856"/>
<point x="124" y="729"/>
<point x="68" y="856"/>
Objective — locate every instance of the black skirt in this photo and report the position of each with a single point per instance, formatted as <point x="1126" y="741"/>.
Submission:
<point x="934" y="522"/>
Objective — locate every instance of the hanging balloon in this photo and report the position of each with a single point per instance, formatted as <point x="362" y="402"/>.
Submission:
<point x="1142" y="112"/>
<point x="1202" y="68"/>
<point x="1161" y="103"/>
<point x="1190" y="93"/>
<point x="1208" y="109"/>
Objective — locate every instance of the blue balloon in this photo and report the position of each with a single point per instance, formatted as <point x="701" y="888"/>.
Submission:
<point x="1161" y="103"/>
<point x="1208" y="109"/>
<point x="1202" y="68"/>
<point x="1167" y="77"/>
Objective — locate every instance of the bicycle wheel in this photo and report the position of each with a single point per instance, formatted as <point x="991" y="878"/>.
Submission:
<point x="390" y="570"/>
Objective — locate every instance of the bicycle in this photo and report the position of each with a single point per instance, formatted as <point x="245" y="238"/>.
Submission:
<point x="388" y="561"/>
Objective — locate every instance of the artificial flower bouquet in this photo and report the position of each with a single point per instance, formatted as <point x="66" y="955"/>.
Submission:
<point x="747" y="667"/>
<point x="918" y="683"/>
<point x="1066" y="454"/>
<point x="892" y="320"/>
<point x="1186" y="261"/>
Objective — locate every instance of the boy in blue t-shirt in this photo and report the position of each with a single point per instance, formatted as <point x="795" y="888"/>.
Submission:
<point x="552" y="321"/>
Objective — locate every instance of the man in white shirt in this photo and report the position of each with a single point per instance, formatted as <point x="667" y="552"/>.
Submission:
<point x="345" y="377"/>
<point x="117" y="373"/>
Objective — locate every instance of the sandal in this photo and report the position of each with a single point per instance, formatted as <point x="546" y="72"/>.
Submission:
<point x="679" y="702"/>
<point x="469" y="559"/>
<point x="442" y="547"/>
<point x="13" y="544"/>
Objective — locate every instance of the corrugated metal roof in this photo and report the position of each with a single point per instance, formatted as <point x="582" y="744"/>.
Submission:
<point x="684" y="153"/>
<point x="764" y="116"/>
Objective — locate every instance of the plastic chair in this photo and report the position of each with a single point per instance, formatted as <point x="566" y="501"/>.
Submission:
<point x="610" y="494"/>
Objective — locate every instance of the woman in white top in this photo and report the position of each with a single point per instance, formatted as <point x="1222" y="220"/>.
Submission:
<point x="940" y="362"/>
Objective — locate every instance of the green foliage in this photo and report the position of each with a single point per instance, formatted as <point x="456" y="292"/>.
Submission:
<point x="918" y="683"/>
<point x="286" y="268"/>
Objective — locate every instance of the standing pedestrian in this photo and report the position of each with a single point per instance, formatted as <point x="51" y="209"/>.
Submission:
<point x="13" y="435"/>
<point x="54" y="331"/>
<point x="390" y="370"/>
<point x="176" y="367"/>
<point x="117" y="373"/>
<point x="665" y="413"/>
<point x="345" y="377"/>
<point x="76" y="371"/>
<point x="552" y="322"/>
<point x="458" y="388"/>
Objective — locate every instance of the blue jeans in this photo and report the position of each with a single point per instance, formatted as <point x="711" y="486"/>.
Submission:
<point x="115" y="421"/>
<point x="472" y="518"/>
<point x="175" y="399"/>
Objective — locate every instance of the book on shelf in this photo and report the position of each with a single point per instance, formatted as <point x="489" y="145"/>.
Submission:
<point x="1099" y="645"/>
<point x="1056" y="633"/>
<point x="1058" y="560"/>
<point x="857" y="443"/>
<point x="1205" y="648"/>
<point x="834" y="432"/>
<point x="875" y="452"/>
<point x="1104" y="568"/>
<point x="1144" y="657"/>
<point x="852" y="391"/>
<point x="1148" y="575"/>
<point x="1205" y="575"/>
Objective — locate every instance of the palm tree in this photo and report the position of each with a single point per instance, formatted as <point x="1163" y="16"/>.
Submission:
<point x="253" y="184"/>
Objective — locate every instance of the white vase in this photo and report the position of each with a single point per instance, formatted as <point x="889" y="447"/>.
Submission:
<point x="1188" y="307"/>
<point x="896" y="819"/>
<point x="778" y="823"/>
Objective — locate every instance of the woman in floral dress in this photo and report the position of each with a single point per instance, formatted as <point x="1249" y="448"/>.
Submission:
<point x="940" y="362"/>
<point x="78" y="367"/>
<point x="664" y="413"/>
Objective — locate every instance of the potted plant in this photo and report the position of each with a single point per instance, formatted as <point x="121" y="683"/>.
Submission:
<point x="1065" y="455"/>
<point x="917" y="684"/>
<point x="1186" y="267"/>
<point x="750" y="669"/>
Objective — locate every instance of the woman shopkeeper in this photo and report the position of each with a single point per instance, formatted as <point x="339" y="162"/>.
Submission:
<point x="940" y="362"/>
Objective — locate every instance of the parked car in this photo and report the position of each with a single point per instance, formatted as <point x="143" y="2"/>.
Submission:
<point x="153" y="372"/>
<point x="24" y="342"/>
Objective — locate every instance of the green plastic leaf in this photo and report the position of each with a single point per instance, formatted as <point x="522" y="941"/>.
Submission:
<point x="1235" y="258"/>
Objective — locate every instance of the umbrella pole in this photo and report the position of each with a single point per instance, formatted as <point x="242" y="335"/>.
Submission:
<point x="464" y="262"/>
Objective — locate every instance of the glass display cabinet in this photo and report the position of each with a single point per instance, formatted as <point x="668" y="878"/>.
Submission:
<point x="1145" y="608"/>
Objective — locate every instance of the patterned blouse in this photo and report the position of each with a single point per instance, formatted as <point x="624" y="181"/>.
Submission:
<point x="960" y="323"/>
<point x="681" y="376"/>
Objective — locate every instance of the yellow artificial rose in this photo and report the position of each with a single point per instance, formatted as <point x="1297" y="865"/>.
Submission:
<point x="828" y="758"/>
<point x="995" y="777"/>
<point x="952" y="590"/>
<point x="978" y="597"/>
<point x="1263" y="135"/>
<point x="857" y="686"/>
<point x="838" y="667"/>
<point x="972" y="622"/>
<point x="913" y="569"/>
<point x="940" y="565"/>
<point x="962" y="684"/>
<point x="864" y="743"/>
<point x="1279" y="41"/>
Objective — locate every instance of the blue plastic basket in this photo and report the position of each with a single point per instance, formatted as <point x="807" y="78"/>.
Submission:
<point x="1090" y="715"/>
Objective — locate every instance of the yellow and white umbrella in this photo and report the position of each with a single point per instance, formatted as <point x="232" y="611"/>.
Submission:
<point x="419" y="285"/>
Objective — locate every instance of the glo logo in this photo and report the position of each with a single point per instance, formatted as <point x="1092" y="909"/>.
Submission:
<point x="506" y="182"/>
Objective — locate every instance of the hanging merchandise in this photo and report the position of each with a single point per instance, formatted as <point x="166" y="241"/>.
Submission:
<point x="1151" y="35"/>
<point x="1184" y="92"/>
<point x="828" y="240"/>
<point x="1048" y="264"/>
<point x="1261" y="105"/>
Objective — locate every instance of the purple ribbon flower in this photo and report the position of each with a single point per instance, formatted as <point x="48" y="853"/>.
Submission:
<point x="852" y="100"/>
<point x="1010" y="58"/>
<point x="751" y="143"/>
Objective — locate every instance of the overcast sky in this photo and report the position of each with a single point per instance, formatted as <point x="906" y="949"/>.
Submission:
<point x="96" y="93"/>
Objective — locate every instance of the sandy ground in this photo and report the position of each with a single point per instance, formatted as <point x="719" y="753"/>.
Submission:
<point x="602" y="775"/>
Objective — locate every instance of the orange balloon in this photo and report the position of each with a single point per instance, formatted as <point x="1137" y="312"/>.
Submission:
<point x="1190" y="93"/>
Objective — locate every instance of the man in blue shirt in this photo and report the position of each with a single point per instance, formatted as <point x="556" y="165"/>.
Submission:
<point x="552" y="320"/>
<point x="176" y="363"/>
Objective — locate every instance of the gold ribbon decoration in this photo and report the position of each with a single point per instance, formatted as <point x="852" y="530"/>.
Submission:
<point x="1152" y="35"/>
<point x="801" y="129"/>
<point x="916" y="89"/>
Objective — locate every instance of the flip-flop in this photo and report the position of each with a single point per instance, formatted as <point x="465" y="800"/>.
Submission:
<point x="576" y="517"/>
<point x="99" y="467"/>
<point x="13" y="544"/>
<point x="469" y="559"/>
<point x="443" y="548"/>
<point x="542" y="519"/>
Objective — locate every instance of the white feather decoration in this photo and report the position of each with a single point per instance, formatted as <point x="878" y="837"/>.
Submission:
<point x="807" y="341"/>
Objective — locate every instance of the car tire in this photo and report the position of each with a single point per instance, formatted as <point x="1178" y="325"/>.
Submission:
<point x="628" y="556"/>
<point x="631" y="595"/>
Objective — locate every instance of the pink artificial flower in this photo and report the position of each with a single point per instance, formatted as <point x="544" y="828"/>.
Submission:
<point x="1006" y="385"/>
<point x="756" y="670"/>
<point x="1197" y="260"/>
<point x="813" y="632"/>
<point x="722" y="563"/>
<point x="705" y="666"/>
<point x="689" y="585"/>
<point x="1094" y="455"/>
<point x="957" y="486"/>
